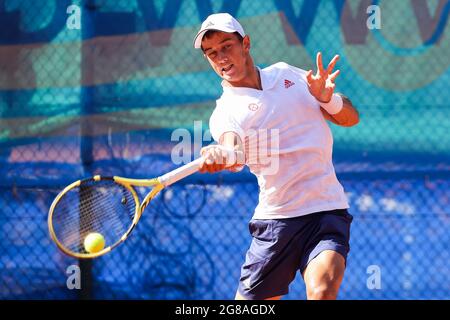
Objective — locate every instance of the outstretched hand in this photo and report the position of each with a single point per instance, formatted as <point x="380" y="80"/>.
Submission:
<point x="321" y="85"/>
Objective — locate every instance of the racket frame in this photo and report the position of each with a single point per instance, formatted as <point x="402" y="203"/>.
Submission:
<point x="127" y="183"/>
<point x="158" y="184"/>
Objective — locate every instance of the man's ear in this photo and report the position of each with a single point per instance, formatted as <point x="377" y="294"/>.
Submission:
<point x="246" y="43"/>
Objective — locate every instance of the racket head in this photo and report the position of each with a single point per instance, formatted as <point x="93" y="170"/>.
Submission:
<point x="106" y="205"/>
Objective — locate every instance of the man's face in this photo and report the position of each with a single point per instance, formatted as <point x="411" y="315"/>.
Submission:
<point x="227" y="55"/>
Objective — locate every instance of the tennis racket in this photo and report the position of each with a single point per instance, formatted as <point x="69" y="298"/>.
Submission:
<point x="108" y="206"/>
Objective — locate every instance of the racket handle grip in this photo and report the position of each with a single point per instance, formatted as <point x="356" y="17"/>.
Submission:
<point x="180" y="173"/>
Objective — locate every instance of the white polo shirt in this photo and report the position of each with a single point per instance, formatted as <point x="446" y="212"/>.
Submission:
<point x="288" y="143"/>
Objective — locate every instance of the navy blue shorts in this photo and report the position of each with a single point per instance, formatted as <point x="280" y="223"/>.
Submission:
<point x="280" y="247"/>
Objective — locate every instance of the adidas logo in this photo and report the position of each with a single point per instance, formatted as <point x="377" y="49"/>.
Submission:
<point x="288" y="83"/>
<point x="209" y="24"/>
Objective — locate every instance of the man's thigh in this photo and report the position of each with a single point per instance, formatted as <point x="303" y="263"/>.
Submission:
<point x="323" y="275"/>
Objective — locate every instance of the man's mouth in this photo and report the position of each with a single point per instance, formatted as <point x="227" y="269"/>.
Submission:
<point x="227" y="68"/>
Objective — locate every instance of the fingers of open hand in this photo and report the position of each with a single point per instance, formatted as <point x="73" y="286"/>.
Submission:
<point x="334" y="75"/>
<point x="309" y="76"/>
<point x="319" y="63"/>
<point x="332" y="64"/>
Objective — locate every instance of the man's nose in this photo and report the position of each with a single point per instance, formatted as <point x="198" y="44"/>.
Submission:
<point x="222" y="57"/>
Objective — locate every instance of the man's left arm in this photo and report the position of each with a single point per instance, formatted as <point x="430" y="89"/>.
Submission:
<point x="348" y="116"/>
<point x="335" y="107"/>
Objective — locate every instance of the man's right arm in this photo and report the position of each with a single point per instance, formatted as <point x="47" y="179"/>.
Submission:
<point x="229" y="154"/>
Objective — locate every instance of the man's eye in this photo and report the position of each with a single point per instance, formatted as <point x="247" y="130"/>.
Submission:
<point x="228" y="46"/>
<point x="212" y="55"/>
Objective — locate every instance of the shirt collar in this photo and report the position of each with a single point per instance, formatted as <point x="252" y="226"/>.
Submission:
<point x="246" y="90"/>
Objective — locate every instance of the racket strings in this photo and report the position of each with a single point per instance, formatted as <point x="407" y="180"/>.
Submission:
<point x="96" y="212"/>
<point x="101" y="206"/>
<point x="91" y="198"/>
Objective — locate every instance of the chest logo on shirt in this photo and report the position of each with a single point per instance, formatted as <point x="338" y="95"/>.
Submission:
<point x="288" y="83"/>
<point x="253" y="107"/>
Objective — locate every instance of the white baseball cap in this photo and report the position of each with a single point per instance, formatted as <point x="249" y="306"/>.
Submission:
<point x="220" y="22"/>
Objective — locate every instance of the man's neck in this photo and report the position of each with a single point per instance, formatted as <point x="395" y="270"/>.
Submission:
<point x="252" y="80"/>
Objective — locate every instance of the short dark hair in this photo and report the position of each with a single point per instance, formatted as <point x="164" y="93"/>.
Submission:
<point x="208" y="34"/>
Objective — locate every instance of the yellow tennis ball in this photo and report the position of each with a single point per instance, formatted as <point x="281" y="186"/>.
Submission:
<point x="94" y="242"/>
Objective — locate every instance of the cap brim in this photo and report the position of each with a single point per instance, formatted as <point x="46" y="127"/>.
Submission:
<point x="199" y="37"/>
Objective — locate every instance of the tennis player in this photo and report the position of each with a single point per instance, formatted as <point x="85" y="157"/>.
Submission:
<point x="301" y="221"/>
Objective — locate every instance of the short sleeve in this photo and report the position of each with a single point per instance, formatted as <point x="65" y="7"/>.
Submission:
<point x="300" y="72"/>
<point x="221" y="122"/>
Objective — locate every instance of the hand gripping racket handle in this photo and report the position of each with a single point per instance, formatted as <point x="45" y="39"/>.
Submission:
<point x="180" y="173"/>
<point x="192" y="167"/>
